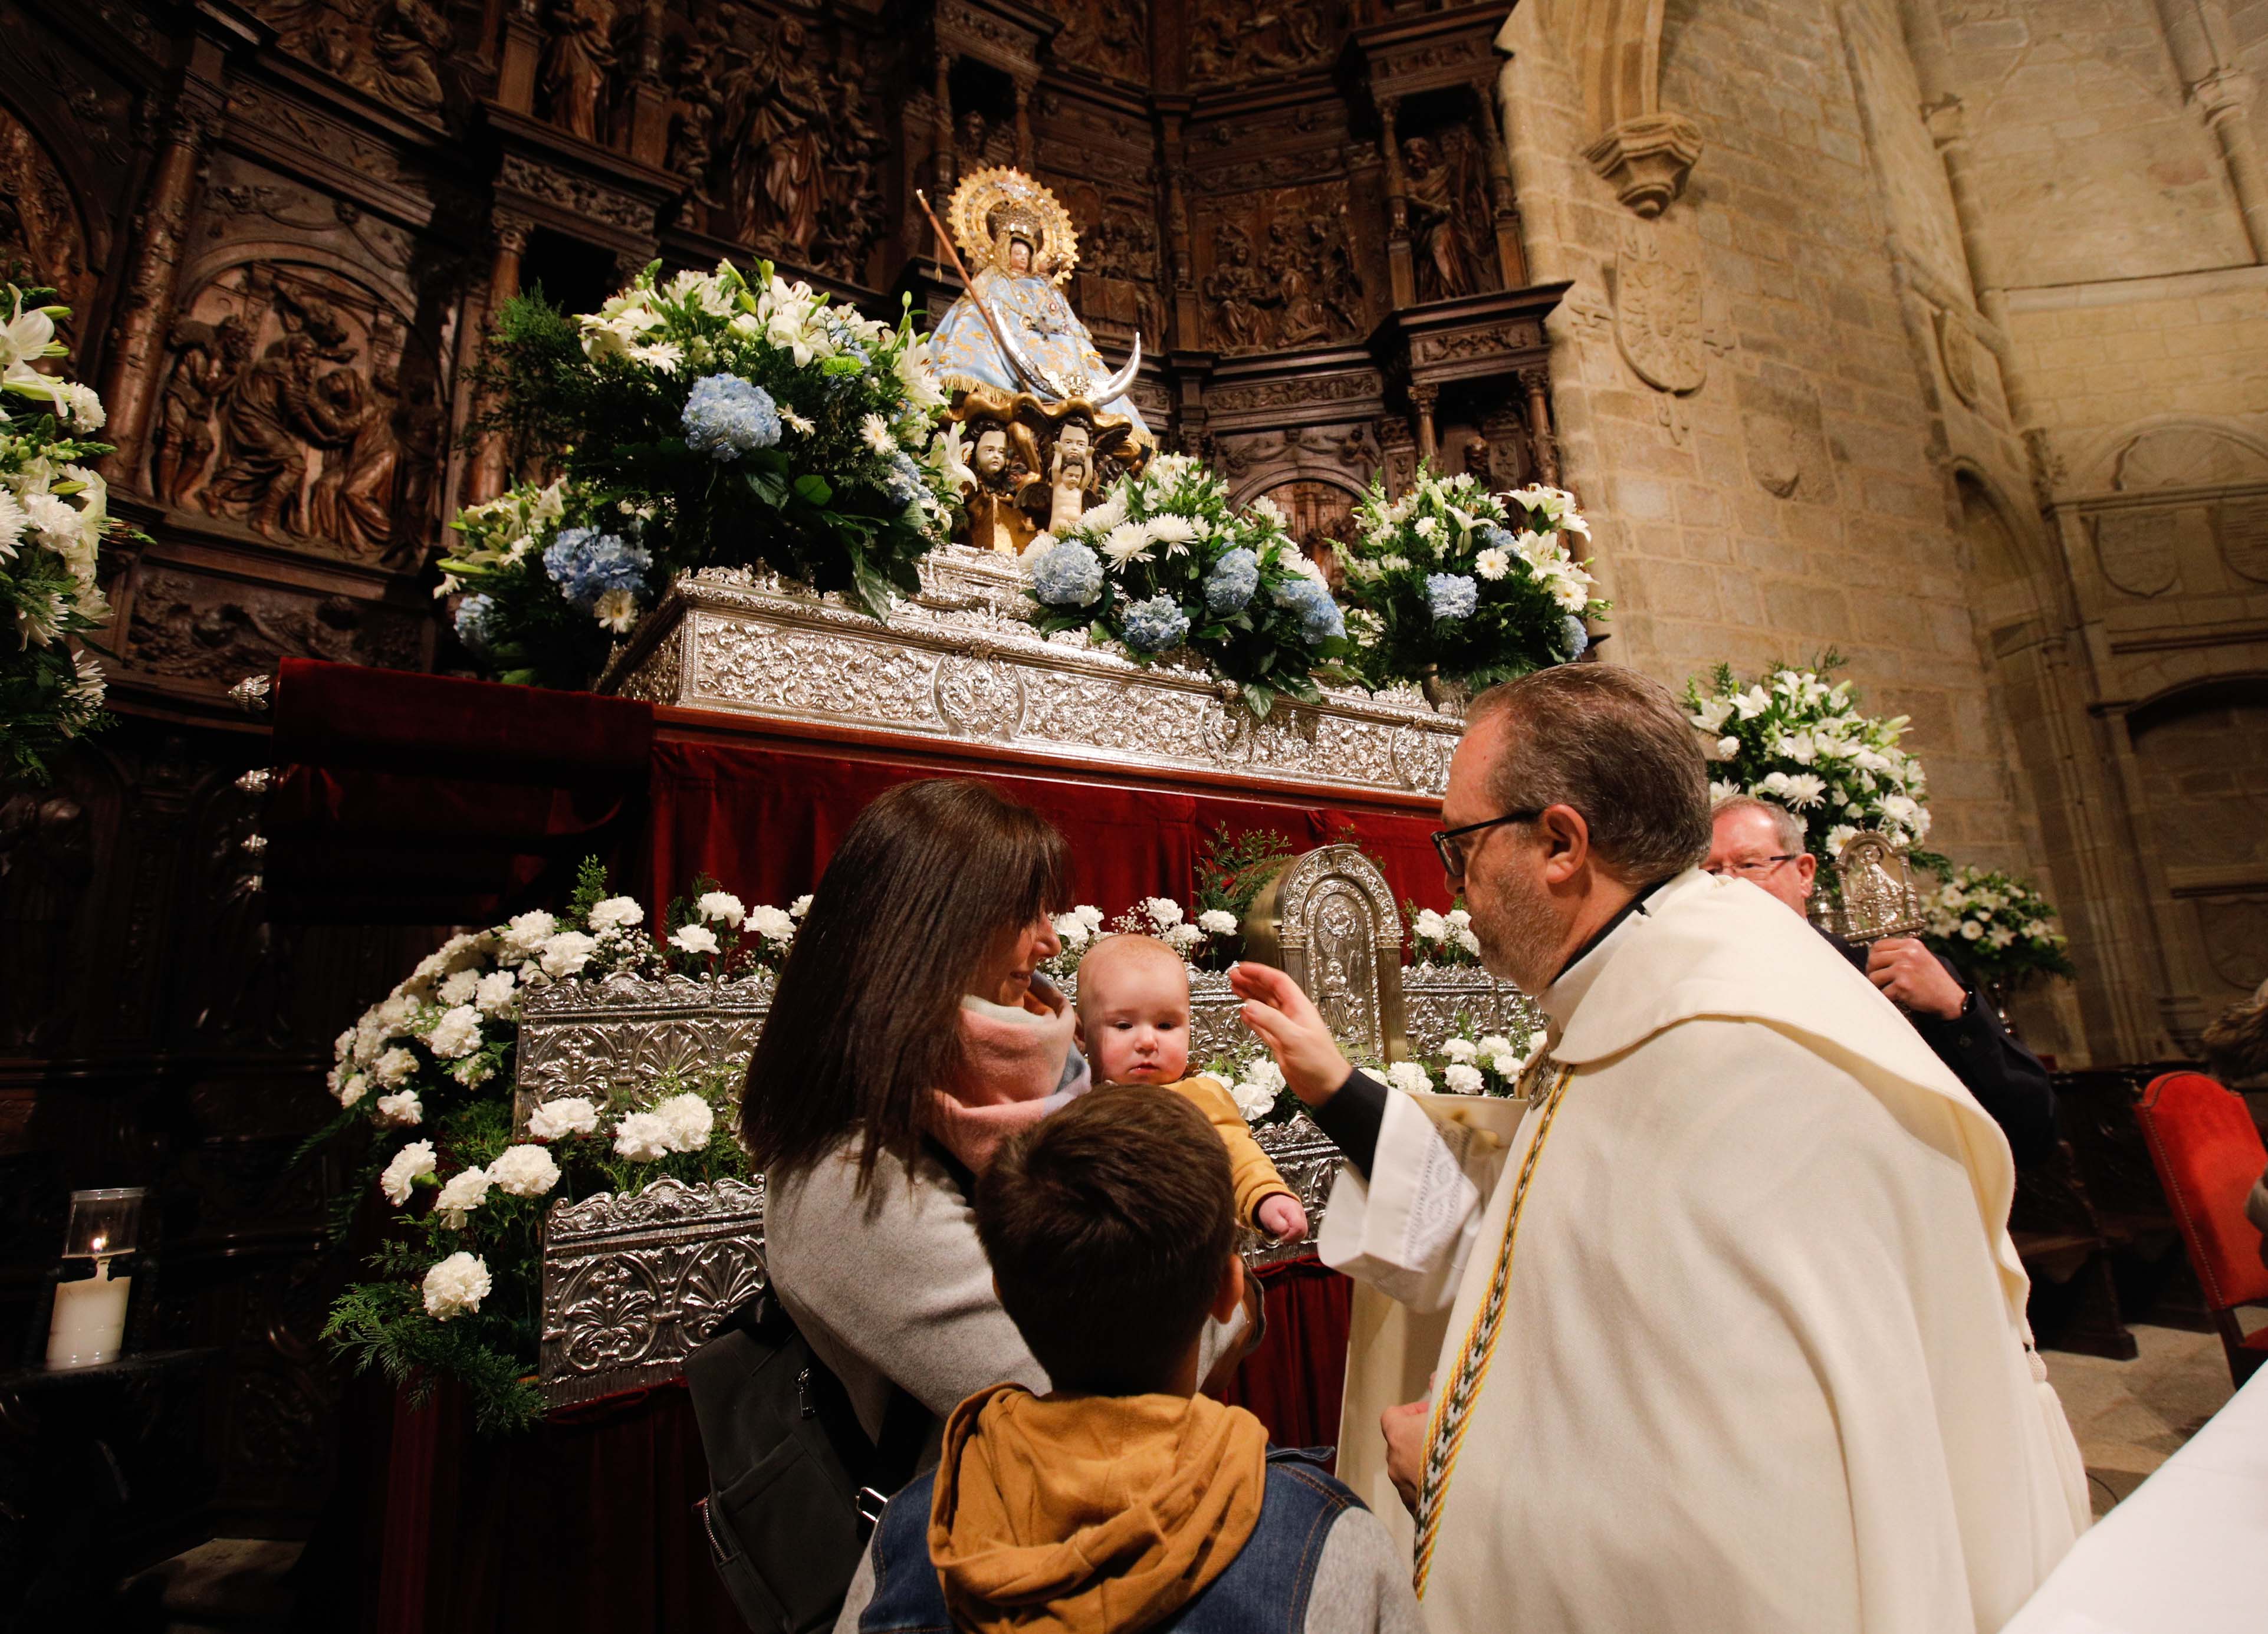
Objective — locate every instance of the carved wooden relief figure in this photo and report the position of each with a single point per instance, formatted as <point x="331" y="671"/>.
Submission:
<point x="41" y="240"/>
<point x="577" y="57"/>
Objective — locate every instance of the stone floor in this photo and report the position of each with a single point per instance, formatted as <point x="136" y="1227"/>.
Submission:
<point x="2130" y="1417"/>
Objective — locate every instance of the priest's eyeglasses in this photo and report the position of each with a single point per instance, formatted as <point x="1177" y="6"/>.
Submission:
<point x="1450" y="842"/>
<point x="1756" y="867"/>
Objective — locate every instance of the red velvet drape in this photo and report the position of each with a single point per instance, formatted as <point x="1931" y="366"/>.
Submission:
<point x="586" y="1525"/>
<point x="765" y="821"/>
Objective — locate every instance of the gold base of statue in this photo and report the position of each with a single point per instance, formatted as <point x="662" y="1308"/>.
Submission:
<point x="1038" y="465"/>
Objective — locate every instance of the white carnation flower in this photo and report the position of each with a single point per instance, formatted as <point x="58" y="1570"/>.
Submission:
<point x="1505" y="1067"/>
<point x="1180" y="938"/>
<point x="1461" y="1049"/>
<point x="460" y="987"/>
<point x="1429" y="926"/>
<point x="1461" y="1080"/>
<point x="1253" y="1100"/>
<point x="722" y="907"/>
<point x="570" y="1114"/>
<point x="473" y="1071"/>
<point x="461" y="1194"/>
<point x="497" y="991"/>
<point x="410" y="1165"/>
<point x="456" y="1285"/>
<point x="801" y="906"/>
<point x="1469" y="940"/>
<point x="642" y="1136"/>
<point x="1217" y="922"/>
<point x="694" y="938"/>
<point x="687" y="1119"/>
<point x="1409" y="1076"/>
<point x="1728" y="747"/>
<point x="772" y="925"/>
<point x="1073" y="931"/>
<point x="354" y="1089"/>
<point x="566" y="954"/>
<point x="616" y="913"/>
<point x="1164" y="912"/>
<point x="528" y="931"/>
<point x="393" y="1067"/>
<point x="401" y="1108"/>
<point x="1495" y="1044"/>
<point x="524" y="1171"/>
<point x="457" y="1033"/>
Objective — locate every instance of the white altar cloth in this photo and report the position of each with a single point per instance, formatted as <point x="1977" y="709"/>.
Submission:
<point x="2184" y="1553"/>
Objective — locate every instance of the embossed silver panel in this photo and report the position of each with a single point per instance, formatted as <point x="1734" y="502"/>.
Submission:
<point x="632" y="1284"/>
<point x="1435" y="997"/>
<point x="963" y="662"/>
<point x="1329" y="919"/>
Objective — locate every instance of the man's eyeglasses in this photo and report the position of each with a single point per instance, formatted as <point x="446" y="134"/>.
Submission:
<point x="1451" y="844"/>
<point x="1756" y="868"/>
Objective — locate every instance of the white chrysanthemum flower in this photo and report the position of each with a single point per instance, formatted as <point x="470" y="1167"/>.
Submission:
<point x="570" y="1114"/>
<point x="1128" y="542"/>
<point x="722" y="907"/>
<point x="402" y="1110"/>
<point x="1098" y="521"/>
<point x="1492" y="563"/>
<point x="528" y="931"/>
<point x="694" y="938"/>
<point x="688" y="1120"/>
<point x="616" y="913"/>
<point x="456" y="1286"/>
<point x="795" y="421"/>
<point x="1461" y="1080"/>
<point x="1176" y="533"/>
<point x="875" y="431"/>
<point x="413" y="1163"/>
<point x="1407" y="1076"/>
<point x="772" y="925"/>
<point x="461" y="1194"/>
<point x="1461" y="1049"/>
<point x="1042" y="543"/>
<point x="394" y="1066"/>
<point x="457" y="1033"/>
<point x="495" y="993"/>
<point x="13" y="522"/>
<point x="642" y="1137"/>
<point x="524" y="1171"/>
<point x="1217" y="922"/>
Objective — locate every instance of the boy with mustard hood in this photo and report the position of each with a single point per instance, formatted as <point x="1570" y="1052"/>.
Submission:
<point x="1122" y="1500"/>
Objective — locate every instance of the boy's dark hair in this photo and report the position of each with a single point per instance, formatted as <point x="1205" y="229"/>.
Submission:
<point x="1107" y="1227"/>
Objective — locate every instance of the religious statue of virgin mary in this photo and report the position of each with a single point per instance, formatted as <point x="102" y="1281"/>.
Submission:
<point x="1016" y="357"/>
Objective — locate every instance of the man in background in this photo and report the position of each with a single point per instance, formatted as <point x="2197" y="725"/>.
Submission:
<point x="1763" y="843"/>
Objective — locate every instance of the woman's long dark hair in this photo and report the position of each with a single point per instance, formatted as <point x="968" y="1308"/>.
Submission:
<point x="866" y="1020"/>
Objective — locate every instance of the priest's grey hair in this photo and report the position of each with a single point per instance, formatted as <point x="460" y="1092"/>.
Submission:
<point x="1617" y="747"/>
<point x="1787" y="827"/>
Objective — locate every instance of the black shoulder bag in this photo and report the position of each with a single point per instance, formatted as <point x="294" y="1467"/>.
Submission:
<point x="794" y="1485"/>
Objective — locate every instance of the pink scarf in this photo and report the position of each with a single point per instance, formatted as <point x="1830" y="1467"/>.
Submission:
<point x="1014" y="1073"/>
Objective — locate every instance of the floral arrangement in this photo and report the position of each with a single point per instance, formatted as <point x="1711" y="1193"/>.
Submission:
<point x="1438" y="938"/>
<point x="428" y="1074"/>
<point x="1451" y="579"/>
<point x="1794" y="738"/>
<point x="711" y="419"/>
<point x="1159" y="917"/>
<point x="54" y="515"/>
<point x="1164" y="563"/>
<point x="1995" y="928"/>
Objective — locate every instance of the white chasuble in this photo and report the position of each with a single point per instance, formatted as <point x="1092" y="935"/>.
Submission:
<point x="1735" y="1338"/>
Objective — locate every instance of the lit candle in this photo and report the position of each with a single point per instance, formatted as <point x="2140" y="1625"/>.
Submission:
<point x="90" y="1320"/>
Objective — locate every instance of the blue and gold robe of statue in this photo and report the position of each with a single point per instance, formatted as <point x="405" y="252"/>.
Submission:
<point x="1044" y="329"/>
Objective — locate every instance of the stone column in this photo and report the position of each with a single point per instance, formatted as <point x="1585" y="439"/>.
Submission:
<point x="649" y="96"/>
<point x="1540" y="443"/>
<point x="145" y="302"/>
<point x="1403" y="275"/>
<point x="1511" y="255"/>
<point x="490" y="464"/>
<point x="2224" y="97"/>
<point x="523" y="53"/>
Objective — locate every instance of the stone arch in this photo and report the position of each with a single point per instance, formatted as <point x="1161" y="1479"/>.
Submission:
<point x="2149" y="453"/>
<point x="1614" y="48"/>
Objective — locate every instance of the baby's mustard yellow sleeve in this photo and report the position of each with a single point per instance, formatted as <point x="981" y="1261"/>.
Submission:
<point x="1257" y="1179"/>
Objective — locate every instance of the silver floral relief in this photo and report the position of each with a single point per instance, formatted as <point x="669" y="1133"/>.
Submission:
<point x="1308" y="1162"/>
<point x="619" y="1040"/>
<point x="1442" y="1002"/>
<point x="631" y="1284"/>
<point x="963" y="660"/>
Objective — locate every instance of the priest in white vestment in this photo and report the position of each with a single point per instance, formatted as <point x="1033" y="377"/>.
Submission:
<point x="1736" y="1337"/>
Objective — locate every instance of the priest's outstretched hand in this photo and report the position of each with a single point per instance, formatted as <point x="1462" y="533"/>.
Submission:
<point x="1295" y="1032"/>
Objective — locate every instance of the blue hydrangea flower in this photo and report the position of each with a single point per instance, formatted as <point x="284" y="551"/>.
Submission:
<point x="1232" y="582"/>
<point x="1069" y="576"/>
<point x="1154" y="625"/>
<point x="1494" y="538"/>
<point x="477" y="623"/>
<point x="1574" y="637"/>
<point x="586" y="563"/>
<point x="1320" y="618"/>
<point x="1451" y="595"/>
<point x="902" y="482"/>
<point x="728" y="416"/>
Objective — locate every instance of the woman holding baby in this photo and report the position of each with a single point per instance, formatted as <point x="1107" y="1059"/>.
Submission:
<point x="911" y="1032"/>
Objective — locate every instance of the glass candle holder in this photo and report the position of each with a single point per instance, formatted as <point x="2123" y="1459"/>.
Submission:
<point x="89" y="1325"/>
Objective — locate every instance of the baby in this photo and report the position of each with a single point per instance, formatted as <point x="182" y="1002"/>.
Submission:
<point x="1134" y="1026"/>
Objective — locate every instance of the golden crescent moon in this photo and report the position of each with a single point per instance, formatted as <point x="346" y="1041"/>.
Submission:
<point x="982" y="191"/>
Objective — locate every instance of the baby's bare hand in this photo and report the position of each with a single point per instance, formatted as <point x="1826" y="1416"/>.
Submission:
<point x="1282" y="1218"/>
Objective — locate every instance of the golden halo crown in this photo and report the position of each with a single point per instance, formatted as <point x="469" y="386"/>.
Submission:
<point x="998" y="199"/>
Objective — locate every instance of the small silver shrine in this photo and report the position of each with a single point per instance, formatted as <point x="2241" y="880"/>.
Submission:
<point x="632" y="1283"/>
<point x="963" y="662"/>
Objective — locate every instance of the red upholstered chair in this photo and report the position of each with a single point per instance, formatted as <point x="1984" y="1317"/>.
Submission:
<point x="2208" y="1154"/>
